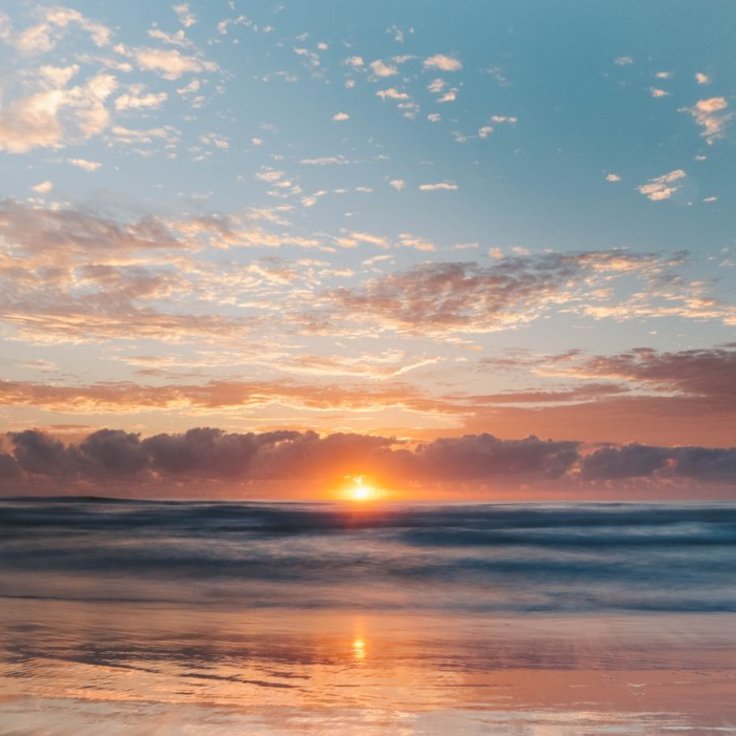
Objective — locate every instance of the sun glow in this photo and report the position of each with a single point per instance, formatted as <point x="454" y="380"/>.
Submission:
<point x="361" y="489"/>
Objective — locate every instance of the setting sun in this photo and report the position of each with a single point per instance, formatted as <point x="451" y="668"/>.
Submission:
<point x="361" y="489"/>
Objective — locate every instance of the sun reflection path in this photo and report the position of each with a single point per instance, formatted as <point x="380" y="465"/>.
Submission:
<point x="359" y="649"/>
<point x="359" y="642"/>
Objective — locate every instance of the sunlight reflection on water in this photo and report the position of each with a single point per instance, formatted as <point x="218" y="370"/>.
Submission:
<point x="233" y="619"/>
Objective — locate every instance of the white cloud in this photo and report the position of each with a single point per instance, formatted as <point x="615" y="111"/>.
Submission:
<point x="84" y="164"/>
<point x="185" y="15"/>
<point x="701" y="78"/>
<point x="484" y="131"/>
<point x="324" y="161"/>
<point x="662" y="187"/>
<point x="623" y="61"/>
<point x="654" y="92"/>
<point x="213" y="139"/>
<point x="392" y="94"/>
<point x="63" y="17"/>
<point x="397" y="184"/>
<point x="449" y="96"/>
<point x="58" y="76"/>
<point x="443" y="63"/>
<point x="436" y="86"/>
<point x="613" y="177"/>
<point x="355" y="61"/>
<point x="44" y="187"/>
<point x="509" y="119"/>
<point x="340" y="116"/>
<point x="52" y="118"/>
<point x="407" y="240"/>
<point x="168" y="63"/>
<point x="434" y="117"/>
<point x="134" y="100"/>
<point x="381" y="69"/>
<point x="270" y="175"/>
<point x="43" y="36"/>
<point x="711" y="116"/>
<point x="138" y="136"/>
<point x="438" y="186"/>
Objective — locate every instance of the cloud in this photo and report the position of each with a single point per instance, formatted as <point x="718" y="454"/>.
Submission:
<point x="509" y="119"/>
<point x="168" y="63"/>
<point x="701" y="78"/>
<point x="54" y="23"/>
<point x="704" y="373"/>
<point x="662" y="187"/>
<point x="355" y="61"/>
<point x="205" y="454"/>
<point x="134" y="100"/>
<point x="612" y="177"/>
<point x="655" y="92"/>
<point x="704" y="464"/>
<point x="185" y="15"/>
<point x="397" y="184"/>
<point x="392" y="94"/>
<point x="439" y="186"/>
<point x="474" y="457"/>
<point x="44" y="187"/>
<point x="467" y="297"/>
<point x="71" y="276"/>
<point x="629" y="461"/>
<point x="381" y="69"/>
<point x="340" y="117"/>
<point x="623" y="61"/>
<point x="711" y="115"/>
<point x="443" y="63"/>
<point x="324" y="161"/>
<point x="407" y="240"/>
<point x="56" y="116"/>
<point x="84" y="164"/>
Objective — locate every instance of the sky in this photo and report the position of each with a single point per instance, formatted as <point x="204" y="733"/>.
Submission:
<point x="463" y="249"/>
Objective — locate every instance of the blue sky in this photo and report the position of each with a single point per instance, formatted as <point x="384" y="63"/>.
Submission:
<point x="464" y="217"/>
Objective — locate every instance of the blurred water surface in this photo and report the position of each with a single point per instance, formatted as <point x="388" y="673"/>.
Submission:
<point x="235" y="618"/>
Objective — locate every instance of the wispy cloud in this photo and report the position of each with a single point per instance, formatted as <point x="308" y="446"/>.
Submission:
<point x="664" y="186"/>
<point x="712" y="116"/>
<point x="447" y="186"/>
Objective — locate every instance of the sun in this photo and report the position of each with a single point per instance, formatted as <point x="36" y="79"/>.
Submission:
<point x="361" y="490"/>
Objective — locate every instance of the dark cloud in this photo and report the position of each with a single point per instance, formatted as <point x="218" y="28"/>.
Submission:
<point x="41" y="454"/>
<point x="9" y="468"/>
<point x="112" y="452"/>
<point x="707" y="463"/>
<point x="113" y="458"/>
<point x="630" y="461"/>
<point x="697" y="463"/>
<point x="202" y="452"/>
<point x="709" y="372"/>
<point x="484" y="456"/>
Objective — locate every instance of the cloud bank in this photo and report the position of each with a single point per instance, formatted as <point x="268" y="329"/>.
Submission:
<point x="112" y="459"/>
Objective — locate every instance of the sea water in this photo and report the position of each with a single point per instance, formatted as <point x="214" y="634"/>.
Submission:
<point x="134" y="617"/>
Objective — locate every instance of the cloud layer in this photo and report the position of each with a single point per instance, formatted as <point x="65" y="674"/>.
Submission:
<point x="110" y="458"/>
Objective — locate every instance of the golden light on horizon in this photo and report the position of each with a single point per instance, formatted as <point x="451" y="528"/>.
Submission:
<point x="361" y="490"/>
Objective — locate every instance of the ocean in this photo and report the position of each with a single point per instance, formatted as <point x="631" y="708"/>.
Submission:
<point x="264" y="618"/>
